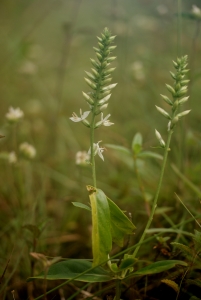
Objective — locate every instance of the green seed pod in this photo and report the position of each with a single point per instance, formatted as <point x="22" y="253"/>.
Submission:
<point x="111" y="48"/>
<point x="177" y="86"/>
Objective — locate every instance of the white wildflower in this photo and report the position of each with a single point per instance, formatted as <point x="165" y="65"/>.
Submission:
<point x="83" y="116"/>
<point x="196" y="11"/>
<point x="82" y="158"/>
<point x="27" y="150"/>
<point x="12" y="158"/>
<point x="104" y="121"/>
<point x="97" y="150"/>
<point x="14" y="114"/>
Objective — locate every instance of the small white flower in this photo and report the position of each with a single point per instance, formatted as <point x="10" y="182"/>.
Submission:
<point x="12" y="158"/>
<point x="104" y="121"/>
<point x="159" y="138"/>
<point x="14" y="114"/>
<point x="196" y="11"/>
<point x="81" y="158"/>
<point x="83" y="116"/>
<point x="97" y="150"/>
<point x="27" y="150"/>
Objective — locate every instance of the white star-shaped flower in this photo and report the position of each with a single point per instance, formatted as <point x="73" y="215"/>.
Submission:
<point x="104" y="121"/>
<point x="97" y="150"/>
<point x="82" y="117"/>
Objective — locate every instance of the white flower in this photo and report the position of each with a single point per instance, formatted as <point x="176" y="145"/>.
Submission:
<point x="159" y="138"/>
<point x="97" y="150"/>
<point x="81" y="158"/>
<point x="104" y="121"/>
<point x="12" y="158"/>
<point x="196" y="11"/>
<point x="14" y="114"/>
<point x="84" y="115"/>
<point x="27" y="150"/>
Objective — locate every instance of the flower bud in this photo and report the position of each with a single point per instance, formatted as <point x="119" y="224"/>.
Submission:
<point x="170" y="89"/>
<point x="159" y="138"/>
<point x="166" y="99"/>
<point x="88" y="99"/>
<point x="163" y="112"/>
<point x="90" y="83"/>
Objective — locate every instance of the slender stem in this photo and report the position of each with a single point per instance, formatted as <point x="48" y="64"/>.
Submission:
<point x="179" y="28"/>
<point x="118" y="290"/>
<point x="141" y="187"/>
<point x="157" y="192"/>
<point x="93" y="164"/>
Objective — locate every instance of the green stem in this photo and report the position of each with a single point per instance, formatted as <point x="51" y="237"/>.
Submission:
<point x="118" y="290"/>
<point x="157" y="193"/>
<point x="179" y="27"/>
<point x="93" y="164"/>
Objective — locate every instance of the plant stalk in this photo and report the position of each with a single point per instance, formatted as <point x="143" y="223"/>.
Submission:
<point x="157" y="193"/>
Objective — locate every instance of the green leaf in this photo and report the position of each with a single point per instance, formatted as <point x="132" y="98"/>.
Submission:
<point x="159" y="267"/>
<point x="149" y="154"/>
<point x="120" y="223"/>
<point x="137" y="143"/>
<point x="101" y="230"/>
<point x="196" y="282"/>
<point x="127" y="263"/>
<point x="81" y="205"/>
<point x="71" y="268"/>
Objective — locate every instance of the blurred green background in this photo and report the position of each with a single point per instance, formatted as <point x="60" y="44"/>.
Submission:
<point x="45" y="48"/>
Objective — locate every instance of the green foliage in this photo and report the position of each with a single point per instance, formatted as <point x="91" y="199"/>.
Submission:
<point x="160" y="266"/>
<point x="73" y="269"/>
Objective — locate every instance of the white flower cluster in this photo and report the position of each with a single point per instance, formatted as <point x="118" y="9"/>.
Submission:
<point x="27" y="150"/>
<point x="14" y="115"/>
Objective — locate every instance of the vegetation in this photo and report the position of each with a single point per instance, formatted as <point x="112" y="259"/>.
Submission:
<point x="60" y="240"/>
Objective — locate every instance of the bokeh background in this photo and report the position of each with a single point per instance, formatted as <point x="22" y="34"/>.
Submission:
<point x="45" y="48"/>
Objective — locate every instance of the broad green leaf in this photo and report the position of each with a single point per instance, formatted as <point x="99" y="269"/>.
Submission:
<point x="71" y="268"/>
<point x="160" y="266"/>
<point x="145" y="154"/>
<point x="101" y="230"/>
<point x="120" y="223"/>
<point x="137" y="143"/>
<point x="81" y="205"/>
